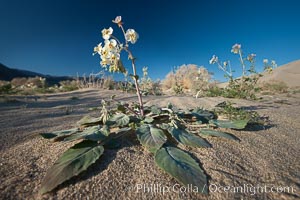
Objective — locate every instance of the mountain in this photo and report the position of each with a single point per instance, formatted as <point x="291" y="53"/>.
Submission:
<point x="7" y="74"/>
<point x="288" y="73"/>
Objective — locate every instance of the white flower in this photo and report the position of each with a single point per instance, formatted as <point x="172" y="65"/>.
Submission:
<point x="117" y="20"/>
<point x="131" y="36"/>
<point x="273" y="63"/>
<point x="225" y="64"/>
<point x="98" y="49"/>
<point x="236" y="48"/>
<point x="213" y="60"/>
<point x="251" y="57"/>
<point x="111" y="45"/>
<point x="106" y="33"/>
<point x="265" y="61"/>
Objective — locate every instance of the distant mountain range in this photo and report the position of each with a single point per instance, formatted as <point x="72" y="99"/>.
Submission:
<point x="7" y="74"/>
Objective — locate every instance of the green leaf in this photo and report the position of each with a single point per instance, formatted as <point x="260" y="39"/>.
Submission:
<point x="188" y="139"/>
<point x="182" y="167"/>
<point x="71" y="163"/>
<point x="218" y="134"/>
<point x="59" y="134"/>
<point x="155" y="110"/>
<point x="89" y="121"/>
<point x="93" y="133"/>
<point x="148" y="120"/>
<point x="118" y="120"/>
<point x="237" y="124"/>
<point x="164" y="126"/>
<point x="150" y="137"/>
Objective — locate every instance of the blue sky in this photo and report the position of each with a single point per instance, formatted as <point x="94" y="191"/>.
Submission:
<point x="57" y="36"/>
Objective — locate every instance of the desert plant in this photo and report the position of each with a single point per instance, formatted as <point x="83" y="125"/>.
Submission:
<point x="68" y="85"/>
<point x="230" y="112"/>
<point x="160" y="130"/>
<point x="245" y="86"/>
<point x="5" y="87"/>
<point x="148" y="86"/>
<point x="187" y="79"/>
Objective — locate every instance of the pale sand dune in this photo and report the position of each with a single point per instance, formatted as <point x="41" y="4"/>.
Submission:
<point x="288" y="73"/>
<point x="263" y="157"/>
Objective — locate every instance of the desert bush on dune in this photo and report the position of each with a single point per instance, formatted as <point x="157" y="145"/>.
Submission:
<point x="246" y="86"/>
<point x="187" y="79"/>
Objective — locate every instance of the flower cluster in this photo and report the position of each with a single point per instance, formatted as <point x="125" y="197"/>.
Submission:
<point x="111" y="49"/>
<point x="236" y="48"/>
<point x="251" y="57"/>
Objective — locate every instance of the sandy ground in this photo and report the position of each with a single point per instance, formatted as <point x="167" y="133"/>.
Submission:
<point x="264" y="157"/>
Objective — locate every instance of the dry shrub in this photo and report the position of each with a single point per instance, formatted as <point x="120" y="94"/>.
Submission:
<point x="190" y="78"/>
<point x="108" y="83"/>
<point x="17" y="82"/>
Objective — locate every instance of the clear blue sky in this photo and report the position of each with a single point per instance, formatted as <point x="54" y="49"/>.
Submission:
<point x="57" y="36"/>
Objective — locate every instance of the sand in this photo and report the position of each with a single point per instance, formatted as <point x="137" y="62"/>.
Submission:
<point x="264" y="157"/>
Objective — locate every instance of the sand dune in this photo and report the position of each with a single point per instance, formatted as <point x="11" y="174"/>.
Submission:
<point x="288" y="73"/>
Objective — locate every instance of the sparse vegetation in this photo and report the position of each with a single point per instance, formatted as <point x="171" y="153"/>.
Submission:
<point x="162" y="131"/>
<point x="274" y="87"/>
<point x="246" y="86"/>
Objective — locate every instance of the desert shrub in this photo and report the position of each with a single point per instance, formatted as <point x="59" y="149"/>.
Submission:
<point x="68" y="85"/>
<point x="187" y="79"/>
<point x="275" y="87"/>
<point x="148" y="86"/>
<point x="214" y="91"/>
<point x="36" y="82"/>
<point x="18" y="82"/>
<point x="108" y="83"/>
<point x="5" y="87"/>
<point x="246" y="86"/>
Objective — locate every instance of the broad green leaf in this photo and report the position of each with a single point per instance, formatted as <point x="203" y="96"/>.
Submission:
<point x="93" y="133"/>
<point x="59" y="134"/>
<point x="118" y="120"/>
<point x="182" y="166"/>
<point x="148" y="120"/>
<point x="125" y="129"/>
<point x="204" y="113"/>
<point x="150" y="137"/>
<point x="155" y="110"/>
<point x="237" y="124"/>
<point x="215" y="133"/>
<point x="187" y="138"/>
<point x="89" y="121"/>
<point x="71" y="163"/>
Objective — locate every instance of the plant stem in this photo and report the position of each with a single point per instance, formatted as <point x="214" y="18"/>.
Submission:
<point x="134" y="73"/>
<point x="138" y="92"/>
<point x="242" y="62"/>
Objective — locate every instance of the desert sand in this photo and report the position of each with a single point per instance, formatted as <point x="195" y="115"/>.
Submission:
<point x="267" y="156"/>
